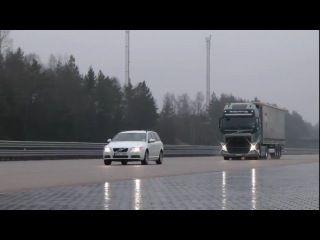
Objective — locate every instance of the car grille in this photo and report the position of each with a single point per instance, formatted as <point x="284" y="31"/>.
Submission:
<point x="120" y="150"/>
<point x="120" y="156"/>
<point x="238" y="144"/>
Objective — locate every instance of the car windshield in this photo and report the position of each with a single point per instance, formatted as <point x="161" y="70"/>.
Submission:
<point x="121" y="137"/>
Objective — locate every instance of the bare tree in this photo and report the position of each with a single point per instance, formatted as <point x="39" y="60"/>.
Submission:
<point x="31" y="57"/>
<point x="199" y="103"/>
<point x="52" y="62"/>
<point x="183" y="104"/>
<point x="5" y="41"/>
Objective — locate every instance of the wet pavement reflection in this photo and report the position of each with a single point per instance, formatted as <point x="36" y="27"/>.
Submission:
<point x="283" y="187"/>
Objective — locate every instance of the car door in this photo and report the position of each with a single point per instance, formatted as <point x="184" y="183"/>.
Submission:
<point x="152" y="146"/>
<point x="158" y="144"/>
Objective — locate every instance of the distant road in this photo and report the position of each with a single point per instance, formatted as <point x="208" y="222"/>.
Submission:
<point x="22" y="175"/>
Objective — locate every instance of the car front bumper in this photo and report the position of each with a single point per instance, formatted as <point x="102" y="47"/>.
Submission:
<point x="137" y="156"/>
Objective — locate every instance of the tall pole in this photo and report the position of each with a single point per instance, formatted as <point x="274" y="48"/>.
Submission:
<point x="127" y="59"/>
<point x="208" y="39"/>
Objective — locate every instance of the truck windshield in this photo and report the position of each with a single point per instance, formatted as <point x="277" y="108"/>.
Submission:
<point x="238" y="123"/>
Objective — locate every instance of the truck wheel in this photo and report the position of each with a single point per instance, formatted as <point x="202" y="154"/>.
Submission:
<point x="280" y="152"/>
<point x="266" y="154"/>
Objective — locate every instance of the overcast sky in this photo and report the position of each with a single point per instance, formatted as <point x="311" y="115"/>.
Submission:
<point x="280" y="67"/>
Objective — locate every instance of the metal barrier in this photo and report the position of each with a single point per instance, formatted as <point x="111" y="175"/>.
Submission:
<point x="14" y="150"/>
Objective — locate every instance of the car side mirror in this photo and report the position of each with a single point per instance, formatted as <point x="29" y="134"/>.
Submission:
<point x="109" y="140"/>
<point x="151" y="140"/>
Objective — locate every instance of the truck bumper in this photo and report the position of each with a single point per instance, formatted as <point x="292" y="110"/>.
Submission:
<point x="236" y="155"/>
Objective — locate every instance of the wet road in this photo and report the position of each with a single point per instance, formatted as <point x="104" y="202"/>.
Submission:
<point x="213" y="184"/>
<point x="21" y="175"/>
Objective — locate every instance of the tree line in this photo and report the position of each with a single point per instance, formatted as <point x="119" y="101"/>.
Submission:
<point x="57" y="103"/>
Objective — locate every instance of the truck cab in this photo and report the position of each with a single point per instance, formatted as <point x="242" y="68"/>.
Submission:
<point x="252" y="131"/>
<point x="240" y="130"/>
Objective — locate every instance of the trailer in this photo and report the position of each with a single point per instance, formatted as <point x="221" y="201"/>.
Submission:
<point x="252" y="130"/>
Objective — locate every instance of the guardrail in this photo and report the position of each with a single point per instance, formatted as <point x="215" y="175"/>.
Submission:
<point x="15" y="150"/>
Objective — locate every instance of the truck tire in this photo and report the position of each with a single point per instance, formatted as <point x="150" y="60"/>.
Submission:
<point x="280" y="152"/>
<point x="266" y="154"/>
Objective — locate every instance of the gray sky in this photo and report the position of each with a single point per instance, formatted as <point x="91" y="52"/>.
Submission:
<point x="279" y="67"/>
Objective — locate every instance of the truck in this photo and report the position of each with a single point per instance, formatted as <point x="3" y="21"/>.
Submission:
<point x="252" y="130"/>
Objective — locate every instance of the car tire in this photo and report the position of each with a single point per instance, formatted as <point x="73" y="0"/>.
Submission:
<point x="124" y="162"/>
<point x="160" y="159"/>
<point x="225" y="158"/>
<point x="107" y="162"/>
<point x="145" y="161"/>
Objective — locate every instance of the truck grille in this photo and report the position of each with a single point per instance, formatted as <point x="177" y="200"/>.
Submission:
<point x="238" y="144"/>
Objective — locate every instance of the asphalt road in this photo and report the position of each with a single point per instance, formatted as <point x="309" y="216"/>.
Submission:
<point x="23" y="175"/>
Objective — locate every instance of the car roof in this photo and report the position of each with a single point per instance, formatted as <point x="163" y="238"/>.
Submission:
<point x="134" y="131"/>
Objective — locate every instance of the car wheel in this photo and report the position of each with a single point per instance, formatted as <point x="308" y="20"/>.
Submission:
<point x="124" y="162"/>
<point x="225" y="158"/>
<point x="145" y="161"/>
<point x="160" y="159"/>
<point x="107" y="162"/>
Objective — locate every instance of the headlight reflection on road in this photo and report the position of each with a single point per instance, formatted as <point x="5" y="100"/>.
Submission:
<point x="224" y="192"/>
<point x="253" y="189"/>
<point x="106" y="196"/>
<point x="137" y="194"/>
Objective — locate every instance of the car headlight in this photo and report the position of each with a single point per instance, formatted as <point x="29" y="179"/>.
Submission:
<point x="107" y="149"/>
<point x="137" y="149"/>
<point x="224" y="148"/>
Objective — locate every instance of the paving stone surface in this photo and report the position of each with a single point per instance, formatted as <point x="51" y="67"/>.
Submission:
<point x="293" y="187"/>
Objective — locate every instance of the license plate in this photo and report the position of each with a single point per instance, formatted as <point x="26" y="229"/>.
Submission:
<point x="120" y="154"/>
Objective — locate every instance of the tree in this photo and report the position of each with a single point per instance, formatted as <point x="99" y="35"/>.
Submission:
<point x="52" y="62"/>
<point x="5" y="41"/>
<point x="143" y="108"/>
<point x="90" y="80"/>
<point x="109" y="108"/>
<point x="166" y="123"/>
<point x="198" y="103"/>
<point x="168" y="107"/>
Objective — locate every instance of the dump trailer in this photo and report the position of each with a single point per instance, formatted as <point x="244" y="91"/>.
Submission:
<point x="252" y="131"/>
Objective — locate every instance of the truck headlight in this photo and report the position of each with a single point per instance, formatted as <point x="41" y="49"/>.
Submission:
<point x="253" y="147"/>
<point x="224" y="147"/>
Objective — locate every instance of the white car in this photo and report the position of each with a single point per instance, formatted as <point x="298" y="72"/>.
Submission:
<point x="140" y="145"/>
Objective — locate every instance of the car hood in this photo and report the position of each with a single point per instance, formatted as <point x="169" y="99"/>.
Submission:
<point x="126" y="144"/>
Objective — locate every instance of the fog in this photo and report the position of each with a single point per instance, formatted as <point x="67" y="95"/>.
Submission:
<point x="280" y="67"/>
